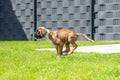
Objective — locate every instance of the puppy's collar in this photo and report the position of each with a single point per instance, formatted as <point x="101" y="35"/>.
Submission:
<point x="48" y="31"/>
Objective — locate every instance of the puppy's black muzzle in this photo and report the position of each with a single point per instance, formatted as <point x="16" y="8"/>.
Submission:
<point x="37" y="35"/>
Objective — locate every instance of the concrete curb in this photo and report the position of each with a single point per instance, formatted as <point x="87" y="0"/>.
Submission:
<point x="105" y="49"/>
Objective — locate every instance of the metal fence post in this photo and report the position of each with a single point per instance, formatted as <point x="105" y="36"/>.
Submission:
<point x="92" y="19"/>
<point x="35" y="15"/>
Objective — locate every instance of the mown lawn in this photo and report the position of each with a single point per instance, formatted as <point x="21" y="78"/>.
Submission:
<point x="20" y="61"/>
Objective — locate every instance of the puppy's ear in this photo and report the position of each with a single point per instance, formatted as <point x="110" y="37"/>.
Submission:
<point x="43" y="32"/>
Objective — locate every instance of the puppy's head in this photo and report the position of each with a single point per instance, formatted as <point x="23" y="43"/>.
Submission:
<point x="40" y="33"/>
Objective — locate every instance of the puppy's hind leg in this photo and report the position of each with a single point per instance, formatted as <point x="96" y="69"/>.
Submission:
<point x="71" y="39"/>
<point x="74" y="47"/>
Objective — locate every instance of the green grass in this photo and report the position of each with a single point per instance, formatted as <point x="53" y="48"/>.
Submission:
<point x="20" y="61"/>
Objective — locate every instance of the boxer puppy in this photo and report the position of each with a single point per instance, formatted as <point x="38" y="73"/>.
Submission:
<point x="60" y="38"/>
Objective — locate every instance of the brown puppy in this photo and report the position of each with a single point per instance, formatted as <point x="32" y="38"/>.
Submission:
<point x="60" y="38"/>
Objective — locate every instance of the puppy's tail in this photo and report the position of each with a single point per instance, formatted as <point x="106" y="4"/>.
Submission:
<point x="85" y="36"/>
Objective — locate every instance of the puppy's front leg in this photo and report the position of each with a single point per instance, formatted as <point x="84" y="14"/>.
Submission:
<point x="59" y="49"/>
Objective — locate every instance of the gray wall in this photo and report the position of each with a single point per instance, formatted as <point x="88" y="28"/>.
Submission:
<point x="67" y="14"/>
<point x="17" y="18"/>
<point x="107" y="19"/>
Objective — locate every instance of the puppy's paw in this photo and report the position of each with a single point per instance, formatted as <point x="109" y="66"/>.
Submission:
<point x="64" y="54"/>
<point x="58" y="56"/>
<point x="70" y="52"/>
<point x="92" y="41"/>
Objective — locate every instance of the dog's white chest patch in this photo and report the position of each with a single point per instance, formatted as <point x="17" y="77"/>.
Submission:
<point x="46" y="38"/>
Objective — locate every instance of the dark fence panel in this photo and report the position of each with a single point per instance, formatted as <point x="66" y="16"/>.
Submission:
<point x="16" y="19"/>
